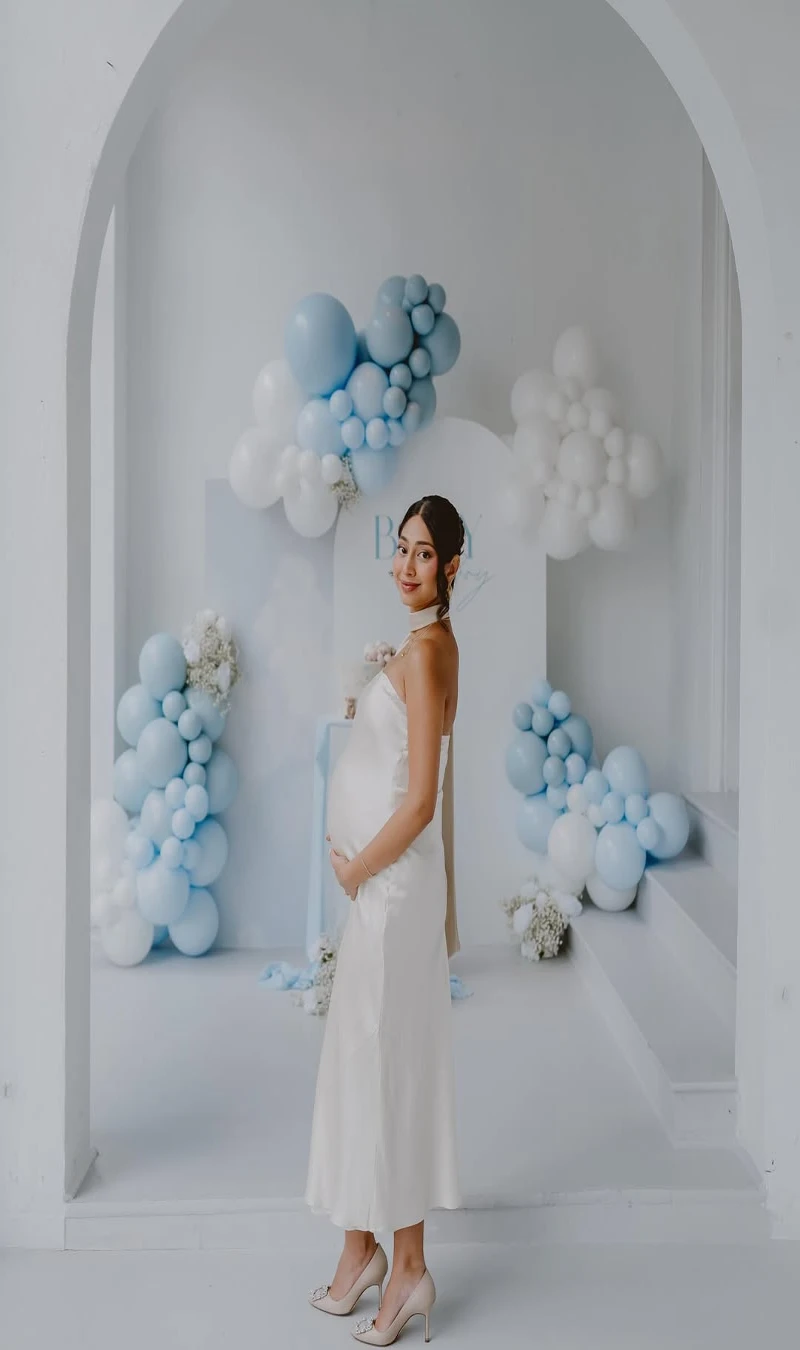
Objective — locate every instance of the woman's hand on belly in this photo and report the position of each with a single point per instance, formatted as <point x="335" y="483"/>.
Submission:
<point x="344" y="871"/>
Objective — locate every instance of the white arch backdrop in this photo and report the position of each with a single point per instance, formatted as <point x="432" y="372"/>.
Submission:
<point x="79" y="94"/>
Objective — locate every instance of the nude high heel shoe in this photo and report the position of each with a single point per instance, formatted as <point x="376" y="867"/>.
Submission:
<point x="420" y="1300"/>
<point x="373" y="1273"/>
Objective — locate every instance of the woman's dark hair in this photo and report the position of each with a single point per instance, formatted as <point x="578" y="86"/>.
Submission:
<point x="446" y="529"/>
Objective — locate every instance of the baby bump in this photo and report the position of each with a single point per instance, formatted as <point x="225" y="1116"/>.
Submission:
<point x="358" y="803"/>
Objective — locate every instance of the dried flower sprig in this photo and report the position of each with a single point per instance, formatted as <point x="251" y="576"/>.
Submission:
<point x="212" y="656"/>
<point x="347" y="490"/>
<point x="316" y="999"/>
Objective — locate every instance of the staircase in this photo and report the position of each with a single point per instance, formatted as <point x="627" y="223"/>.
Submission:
<point x="664" y="976"/>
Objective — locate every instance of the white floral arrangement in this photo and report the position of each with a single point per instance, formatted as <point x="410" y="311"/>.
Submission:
<point x="540" y="915"/>
<point x="379" y="652"/>
<point x="316" y="998"/>
<point x="345" y="487"/>
<point x="212" y="657"/>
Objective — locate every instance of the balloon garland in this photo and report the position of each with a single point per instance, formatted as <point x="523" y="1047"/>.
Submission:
<point x="151" y="873"/>
<point x="575" y="474"/>
<point x="333" y="413"/>
<point x="596" y="825"/>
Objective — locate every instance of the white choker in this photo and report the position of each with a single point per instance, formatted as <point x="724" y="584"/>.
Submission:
<point x="418" y="618"/>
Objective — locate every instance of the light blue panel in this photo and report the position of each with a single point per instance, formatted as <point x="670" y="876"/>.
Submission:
<point x="276" y="589"/>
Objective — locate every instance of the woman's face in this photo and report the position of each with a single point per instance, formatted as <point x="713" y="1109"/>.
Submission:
<point x="415" y="565"/>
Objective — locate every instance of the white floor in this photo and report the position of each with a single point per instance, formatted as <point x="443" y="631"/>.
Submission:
<point x="550" y="1298"/>
<point x="203" y="1080"/>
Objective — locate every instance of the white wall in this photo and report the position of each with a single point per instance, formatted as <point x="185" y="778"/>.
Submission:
<point x="534" y="159"/>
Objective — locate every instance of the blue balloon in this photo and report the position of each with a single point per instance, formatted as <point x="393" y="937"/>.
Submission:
<point x="442" y="344"/>
<point x="557" y="797"/>
<point x="320" y="343"/>
<point x="596" y="787"/>
<point x="535" y="820"/>
<point x="626" y="772"/>
<point x="553" y="771"/>
<point x="200" y="749"/>
<point x="136" y="708"/>
<point x="183" y="823"/>
<point x="419" y="363"/>
<point x="353" y="432"/>
<point x="525" y="759"/>
<point x="139" y="849"/>
<point x="175" y="793"/>
<point x="416" y="289"/>
<point x="436" y="297"/>
<point x="195" y="774"/>
<point x="194" y="932"/>
<point x="576" y="768"/>
<point x="362" y="353"/>
<point x="197" y="802"/>
<point x="155" y="821"/>
<point x="541" y="693"/>
<point x="189" y="724"/>
<point x="672" y="818"/>
<point x="636" y="808"/>
<point x="160" y="930"/>
<point x="397" y="433"/>
<point x="211" y="715"/>
<point x="191" y="854"/>
<point x="390" y="335"/>
<point x="377" y="433"/>
<point x="412" y="418"/>
<point x="222" y="781"/>
<point x="648" y="834"/>
<point x="367" y="386"/>
<point x="162" y="892"/>
<point x="172" y="852"/>
<point x="560" y="705"/>
<point x="422" y="319"/>
<point x="401" y="375"/>
<point x="521" y="716"/>
<point x="613" y="807"/>
<point x="172" y="707"/>
<point x="619" y="857"/>
<point x="317" y="428"/>
<point x="373" y="470"/>
<point x="162" y="665"/>
<point x="394" y="401"/>
<point x="162" y="752"/>
<point x="424" y="393"/>
<point x="130" y="782"/>
<point x="212" y="842"/>
<point x="558" y="743"/>
<point x="580" y="733"/>
<point x="340" y="404"/>
<point x="543" y="722"/>
<point x="392" y="291"/>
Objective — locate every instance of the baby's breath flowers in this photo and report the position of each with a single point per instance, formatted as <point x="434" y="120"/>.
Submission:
<point x="212" y="657"/>
<point x="379" y="652"/>
<point x="346" y="489"/>
<point x="540" y="914"/>
<point x="317" y="997"/>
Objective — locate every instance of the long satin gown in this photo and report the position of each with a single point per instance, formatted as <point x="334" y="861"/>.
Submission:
<point x="383" y="1135"/>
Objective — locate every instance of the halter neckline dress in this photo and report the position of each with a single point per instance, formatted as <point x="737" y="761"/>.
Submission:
<point x="383" y="1145"/>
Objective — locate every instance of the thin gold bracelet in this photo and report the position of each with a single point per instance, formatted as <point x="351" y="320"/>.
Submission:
<point x="361" y="856"/>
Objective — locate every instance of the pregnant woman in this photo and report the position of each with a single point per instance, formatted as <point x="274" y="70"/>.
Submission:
<point x="383" y="1141"/>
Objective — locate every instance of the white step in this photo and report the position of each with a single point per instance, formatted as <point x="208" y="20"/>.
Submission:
<point x="680" y="1050"/>
<point x="692" y="908"/>
<point x="715" y="830"/>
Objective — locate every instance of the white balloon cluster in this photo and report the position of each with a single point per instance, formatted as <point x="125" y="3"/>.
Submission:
<point x="574" y="473"/>
<point x="267" y="464"/>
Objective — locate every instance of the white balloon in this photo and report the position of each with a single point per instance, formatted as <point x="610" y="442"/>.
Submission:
<point x="557" y="406"/>
<point x="277" y="400"/>
<point x="567" y="493"/>
<point x="103" y="873"/>
<point x="508" y="439"/>
<point x="551" y="487"/>
<point x="127" y="937"/>
<point x="108" y="824"/>
<point x="582" y="460"/>
<point x="615" y="442"/>
<point x="577" y="801"/>
<point x="572" y="388"/>
<point x="563" y="532"/>
<point x="571" y="845"/>
<point x="522" y="917"/>
<point x="645" y="463"/>
<point x="612" y="526"/>
<point x="311" y="508"/>
<point x="332" y="469"/>
<point x="606" y="898"/>
<point x="101" y="908"/>
<point x="520" y="505"/>
<point x="577" y="417"/>
<point x="599" y="423"/>
<point x="617" y="472"/>
<point x="601" y="400"/>
<point x="574" y="356"/>
<point x="253" y="466"/>
<point x="308" y="464"/>
<point x="124" y="893"/>
<point x="540" y="471"/>
<point x="586" y="504"/>
<point x="537" y="438"/>
<point x="530" y="393"/>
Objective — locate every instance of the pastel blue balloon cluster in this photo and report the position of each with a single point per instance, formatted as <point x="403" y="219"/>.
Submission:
<point x="552" y="762"/>
<point x="174" y="780"/>
<point x="368" y="392"/>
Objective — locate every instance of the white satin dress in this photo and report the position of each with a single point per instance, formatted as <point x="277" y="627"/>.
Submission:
<point x="383" y="1135"/>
